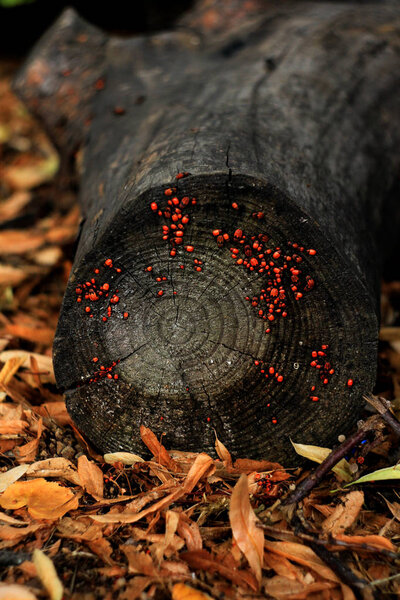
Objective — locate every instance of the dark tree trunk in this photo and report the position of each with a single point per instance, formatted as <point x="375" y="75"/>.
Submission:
<point x="285" y="121"/>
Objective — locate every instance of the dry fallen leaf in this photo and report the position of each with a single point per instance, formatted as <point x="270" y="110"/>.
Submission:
<point x="126" y="458"/>
<point x="223" y="452"/>
<point x="158" y="450"/>
<point x="54" y="467"/>
<point x="139" y="562"/>
<point x="91" y="477"/>
<point x="248" y="536"/>
<point x="14" y="591"/>
<point x="45" y="499"/>
<point x="48" y="575"/>
<point x="10" y="368"/>
<point x="45" y="363"/>
<point x="344" y="514"/>
<point x="319" y="454"/>
<point x="181" y="591"/>
<point x="9" y="477"/>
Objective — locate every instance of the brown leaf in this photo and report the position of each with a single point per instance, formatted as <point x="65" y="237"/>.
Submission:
<point x="19" y="242"/>
<point x="202" y="466"/>
<point x="40" y="335"/>
<point x="344" y="514"/>
<point x="372" y="540"/>
<point x="282" y="566"/>
<point x="248" y="536"/>
<point x="7" y="532"/>
<point x="302" y="555"/>
<point x="173" y="569"/>
<point x="45" y="499"/>
<point x="56" y="411"/>
<point x="190" y="532"/>
<point x="27" y="452"/>
<point x="91" y="477"/>
<point x="203" y="560"/>
<point x="181" y="591"/>
<point x="223" y="452"/>
<point x="283" y="588"/>
<point x="8" y="426"/>
<point x="54" y="467"/>
<point x="157" y="449"/>
<point x="247" y="465"/>
<point x="139" y="562"/>
<point x="102" y="548"/>
<point x="135" y="587"/>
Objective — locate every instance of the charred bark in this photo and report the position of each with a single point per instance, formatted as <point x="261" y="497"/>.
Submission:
<point x="285" y="121"/>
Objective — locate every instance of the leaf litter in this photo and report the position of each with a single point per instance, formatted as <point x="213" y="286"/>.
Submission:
<point x="183" y="525"/>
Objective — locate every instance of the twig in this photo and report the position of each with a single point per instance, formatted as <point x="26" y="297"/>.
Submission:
<point x="331" y="460"/>
<point x="383" y="407"/>
<point x="359" y="586"/>
<point x="330" y="541"/>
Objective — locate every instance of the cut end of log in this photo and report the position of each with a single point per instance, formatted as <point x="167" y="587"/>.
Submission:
<point x="214" y="303"/>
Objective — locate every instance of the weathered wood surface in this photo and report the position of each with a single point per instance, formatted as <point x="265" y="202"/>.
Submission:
<point x="289" y="110"/>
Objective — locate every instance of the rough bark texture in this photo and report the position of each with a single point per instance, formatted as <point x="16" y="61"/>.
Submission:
<point x="286" y="118"/>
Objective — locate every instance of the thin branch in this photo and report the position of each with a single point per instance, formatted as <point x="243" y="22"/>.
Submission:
<point x="383" y="408"/>
<point x="305" y="487"/>
<point x="329" y="541"/>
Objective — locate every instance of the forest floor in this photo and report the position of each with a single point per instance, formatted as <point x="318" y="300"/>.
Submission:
<point x="77" y="525"/>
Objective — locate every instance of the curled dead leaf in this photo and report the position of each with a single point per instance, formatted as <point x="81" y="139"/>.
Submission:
<point x="344" y="514"/>
<point x="248" y="536"/>
<point x="91" y="477"/>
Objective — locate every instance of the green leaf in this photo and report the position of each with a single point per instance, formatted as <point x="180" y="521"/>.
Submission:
<point x="318" y="455"/>
<point x="379" y="475"/>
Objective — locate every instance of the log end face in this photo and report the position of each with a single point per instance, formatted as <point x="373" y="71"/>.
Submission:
<point x="249" y="324"/>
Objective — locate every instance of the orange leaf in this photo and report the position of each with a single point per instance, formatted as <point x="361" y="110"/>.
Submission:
<point x="181" y="591"/>
<point x="56" y="411"/>
<point x="223" y="452"/>
<point x="248" y="536"/>
<point x="302" y="555"/>
<point x="157" y="449"/>
<point x="41" y="335"/>
<point x="91" y="477"/>
<point x="372" y="540"/>
<point x="45" y="499"/>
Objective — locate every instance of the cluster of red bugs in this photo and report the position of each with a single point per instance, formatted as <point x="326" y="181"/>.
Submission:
<point x="92" y="291"/>
<point x="269" y="372"/>
<point x="104" y="372"/>
<point x="278" y="265"/>
<point x="176" y="214"/>
<point x="323" y="366"/>
<point x="264" y="483"/>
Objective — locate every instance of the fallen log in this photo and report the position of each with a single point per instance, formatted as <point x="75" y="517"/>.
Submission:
<point x="233" y="185"/>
